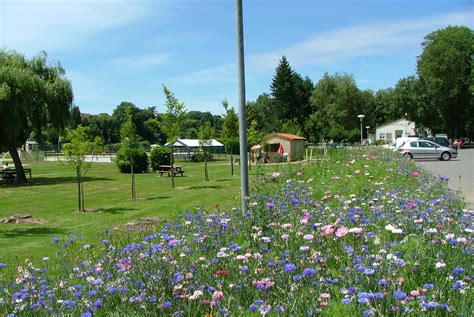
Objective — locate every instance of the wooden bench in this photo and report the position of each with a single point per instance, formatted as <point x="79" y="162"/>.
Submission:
<point x="9" y="175"/>
<point x="162" y="169"/>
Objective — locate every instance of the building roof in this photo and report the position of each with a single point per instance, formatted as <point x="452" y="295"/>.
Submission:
<point x="193" y="143"/>
<point x="393" y="122"/>
<point x="285" y="136"/>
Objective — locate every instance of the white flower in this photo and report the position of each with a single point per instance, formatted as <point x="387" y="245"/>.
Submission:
<point x="440" y="265"/>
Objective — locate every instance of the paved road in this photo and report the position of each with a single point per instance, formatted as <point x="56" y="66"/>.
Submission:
<point x="462" y="166"/>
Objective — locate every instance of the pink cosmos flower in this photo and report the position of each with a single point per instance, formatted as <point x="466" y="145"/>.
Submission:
<point x="341" y="232"/>
<point x="415" y="293"/>
<point x="308" y="237"/>
<point x="327" y="230"/>
<point x="357" y="172"/>
<point x="285" y="236"/>
<point x="218" y="295"/>
<point x="276" y="174"/>
<point x="415" y="174"/>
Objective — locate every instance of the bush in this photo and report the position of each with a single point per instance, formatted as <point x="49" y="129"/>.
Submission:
<point x="140" y="162"/>
<point x="199" y="157"/>
<point x="160" y="156"/>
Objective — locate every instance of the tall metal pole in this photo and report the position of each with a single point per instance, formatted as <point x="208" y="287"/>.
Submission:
<point x="244" y="173"/>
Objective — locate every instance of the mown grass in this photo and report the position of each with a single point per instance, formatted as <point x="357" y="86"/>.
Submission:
<point x="359" y="234"/>
<point x="51" y="195"/>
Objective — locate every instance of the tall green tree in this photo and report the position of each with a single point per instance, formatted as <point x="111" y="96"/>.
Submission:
<point x="290" y="95"/>
<point x="172" y="123"/>
<point x="230" y="132"/>
<point x="79" y="145"/>
<point x="336" y="102"/>
<point x="130" y="147"/>
<point x="445" y="68"/>
<point x="206" y="134"/>
<point x="34" y="94"/>
<point x="283" y="90"/>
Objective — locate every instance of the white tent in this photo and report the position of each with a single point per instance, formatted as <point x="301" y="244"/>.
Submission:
<point x="194" y="143"/>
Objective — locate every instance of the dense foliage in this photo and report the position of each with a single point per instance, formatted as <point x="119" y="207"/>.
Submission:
<point x="140" y="161"/>
<point x="362" y="234"/>
<point x="33" y="95"/>
<point x="160" y="156"/>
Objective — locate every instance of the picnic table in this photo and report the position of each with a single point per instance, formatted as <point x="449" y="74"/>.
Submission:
<point x="162" y="169"/>
<point x="10" y="174"/>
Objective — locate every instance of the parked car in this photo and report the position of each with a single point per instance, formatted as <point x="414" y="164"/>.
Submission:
<point x="466" y="140"/>
<point x="458" y="144"/>
<point x="400" y="141"/>
<point x="423" y="149"/>
<point x="441" y="140"/>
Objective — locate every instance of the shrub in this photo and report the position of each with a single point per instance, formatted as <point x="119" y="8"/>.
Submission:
<point x="160" y="156"/>
<point x="140" y="162"/>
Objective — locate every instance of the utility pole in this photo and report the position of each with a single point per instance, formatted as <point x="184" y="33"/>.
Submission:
<point x="244" y="172"/>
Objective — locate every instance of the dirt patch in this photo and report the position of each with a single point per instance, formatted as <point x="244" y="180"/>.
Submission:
<point x="22" y="219"/>
<point x="141" y="223"/>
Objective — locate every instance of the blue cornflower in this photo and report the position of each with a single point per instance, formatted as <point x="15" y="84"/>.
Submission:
<point x="2" y="265"/>
<point x="399" y="295"/>
<point x="363" y="300"/>
<point x="55" y="239"/>
<point x="92" y="293"/>
<point x="244" y="268"/>
<point x="347" y="300"/>
<point x="368" y="271"/>
<point x="98" y="303"/>
<point x="86" y="314"/>
<point x="166" y="305"/>
<point x="289" y="268"/>
<point x="458" y="270"/>
<point x="428" y="286"/>
<point x="297" y="278"/>
<point x="430" y="305"/>
<point x="97" y="281"/>
<point x="383" y="282"/>
<point x="456" y="286"/>
<point x="253" y="307"/>
<point x="309" y="272"/>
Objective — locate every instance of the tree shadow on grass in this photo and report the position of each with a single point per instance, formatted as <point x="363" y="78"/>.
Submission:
<point x="115" y="210"/>
<point x="157" y="197"/>
<point x="223" y="180"/>
<point x="204" y="187"/>
<point x="40" y="181"/>
<point x="30" y="232"/>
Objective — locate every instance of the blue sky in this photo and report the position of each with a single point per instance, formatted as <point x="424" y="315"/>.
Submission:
<point x="119" y="50"/>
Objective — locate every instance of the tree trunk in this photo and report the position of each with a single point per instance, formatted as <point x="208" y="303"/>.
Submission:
<point x="172" y="168"/>
<point x="79" y="191"/>
<point x="231" y="162"/>
<point x="206" y="174"/>
<point x="134" y="196"/>
<point x="20" y="173"/>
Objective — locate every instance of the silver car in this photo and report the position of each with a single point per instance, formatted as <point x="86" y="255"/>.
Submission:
<point x="423" y="149"/>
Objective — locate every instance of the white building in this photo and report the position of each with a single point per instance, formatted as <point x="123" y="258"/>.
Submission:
<point x="393" y="130"/>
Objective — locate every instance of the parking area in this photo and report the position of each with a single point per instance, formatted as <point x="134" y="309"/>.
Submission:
<point x="460" y="172"/>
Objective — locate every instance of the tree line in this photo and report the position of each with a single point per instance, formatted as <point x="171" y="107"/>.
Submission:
<point x="36" y="101"/>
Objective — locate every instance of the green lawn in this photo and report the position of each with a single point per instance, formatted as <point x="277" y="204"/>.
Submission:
<point x="51" y="195"/>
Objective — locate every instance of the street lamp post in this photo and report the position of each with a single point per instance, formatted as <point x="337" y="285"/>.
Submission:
<point x="361" y="117"/>
<point x="367" y="127"/>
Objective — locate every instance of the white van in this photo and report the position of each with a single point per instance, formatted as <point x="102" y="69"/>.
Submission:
<point x="401" y="140"/>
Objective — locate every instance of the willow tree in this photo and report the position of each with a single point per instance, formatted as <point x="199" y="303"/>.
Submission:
<point x="172" y="122"/>
<point x="34" y="94"/>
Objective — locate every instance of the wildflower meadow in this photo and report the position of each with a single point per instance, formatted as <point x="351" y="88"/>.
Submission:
<point x="361" y="233"/>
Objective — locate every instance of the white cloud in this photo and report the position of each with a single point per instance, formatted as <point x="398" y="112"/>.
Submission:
<point x="141" y="61"/>
<point x="357" y="41"/>
<point x="219" y="74"/>
<point x="31" y="25"/>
